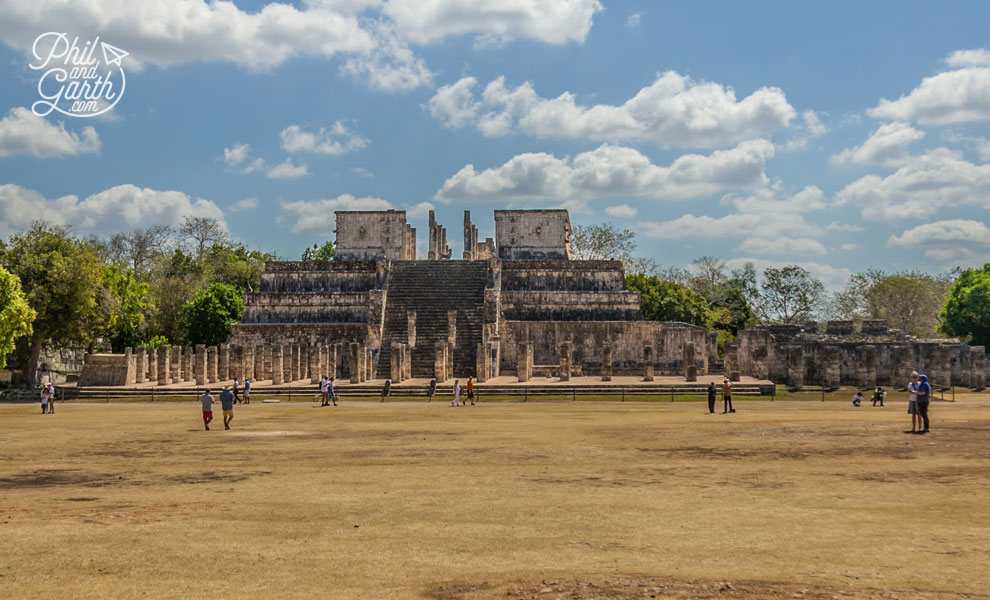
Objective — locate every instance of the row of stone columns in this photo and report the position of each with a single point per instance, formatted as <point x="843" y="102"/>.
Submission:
<point x="524" y="361"/>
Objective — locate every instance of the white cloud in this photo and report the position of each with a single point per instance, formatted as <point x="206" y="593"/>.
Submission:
<point x="632" y="21"/>
<point x="236" y="154"/>
<point x="936" y="180"/>
<point x="951" y="97"/>
<point x="782" y="246"/>
<point x="980" y="145"/>
<point x="610" y="171"/>
<point x="390" y="66"/>
<point x="420" y="211"/>
<point x="120" y="208"/>
<point x="245" y="204"/>
<point x="287" y="170"/>
<point x="811" y="127"/>
<point x="674" y="111"/>
<point x="362" y="172"/>
<point x="317" y="215"/>
<point x="850" y="247"/>
<point x="547" y="21"/>
<point x="621" y="210"/>
<point x="335" y="141"/>
<point x="24" y="133"/>
<point x="886" y="147"/>
<point x="834" y="278"/>
<point x="958" y="257"/>
<point x="951" y="231"/>
<point x="847" y="227"/>
<point x="969" y="58"/>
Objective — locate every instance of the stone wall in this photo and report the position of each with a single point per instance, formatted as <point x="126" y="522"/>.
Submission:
<point x="369" y="235"/>
<point x="533" y="234"/>
<point x="108" y="369"/>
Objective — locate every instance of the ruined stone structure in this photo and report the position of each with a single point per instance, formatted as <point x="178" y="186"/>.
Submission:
<point x="864" y="357"/>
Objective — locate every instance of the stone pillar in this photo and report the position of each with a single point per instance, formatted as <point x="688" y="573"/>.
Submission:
<point x="648" y="370"/>
<point x="866" y="367"/>
<point x="187" y="364"/>
<point x="294" y="363"/>
<point x="235" y="360"/>
<point x="278" y="372"/>
<point x="690" y="368"/>
<point x="333" y="357"/>
<point x="259" y="362"/>
<point x="356" y="362"/>
<point x="140" y="364"/>
<point x="266" y="363"/>
<point x="481" y="364"/>
<point x="248" y="363"/>
<point x="395" y="362"/>
<point x="452" y="326"/>
<point x="565" y="361"/>
<point x="941" y="375"/>
<point x="440" y="361"/>
<point x="286" y="363"/>
<point x="831" y="367"/>
<point x="176" y="357"/>
<point x="979" y="357"/>
<point x="315" y="369"/>
<point x="607" y="362"/>
<point x="965" y="366"/>
<point x="524" y="361"/>
<point x="164" y="366"/>
<point x="369" y="364"/>
<point x="199" y="366"/>
<point x="130" y="363"/>
<point x="153" y="365"/>
<point x="411" y="328"/>
<point x="732" y="361"/>
<point x="795" y="366"/>
<point x="211" y="365"/>
<point x="223" y="363"/>
<point x="712" y="346"/>
<point x="902" y="364"/>
<point x="406" y="361"/>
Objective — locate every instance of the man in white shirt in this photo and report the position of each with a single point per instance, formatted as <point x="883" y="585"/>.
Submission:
<point x="207" y="401"/>
<point x="324" y="393"/>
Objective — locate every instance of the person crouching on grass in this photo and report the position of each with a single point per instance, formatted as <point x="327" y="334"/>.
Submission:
<point x="227" y="406"/>
<point x="207" y="401"/>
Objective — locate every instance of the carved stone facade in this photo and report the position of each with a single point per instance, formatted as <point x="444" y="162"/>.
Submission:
<point x="533" y="234"/>
<point x="369" y="235"/>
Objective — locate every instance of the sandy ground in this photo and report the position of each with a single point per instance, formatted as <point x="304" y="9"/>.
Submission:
<point x="538" y="500"/>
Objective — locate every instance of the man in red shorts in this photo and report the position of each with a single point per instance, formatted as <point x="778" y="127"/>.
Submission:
<point x="207" y="401"/>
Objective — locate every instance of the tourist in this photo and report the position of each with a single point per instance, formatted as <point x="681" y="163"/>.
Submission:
<point x="333" y="395"/>
<point x="858" y="399"/>
<point x="432" y="391"/>
<point x="324" y="395"/>
<point x="912" y="389"/>
<point x="924" y="395"/>
<point x="470" y="390"/>
<point x="457" y="394"/>
<point x="207" y="401"/>
<point x="247" y="391"/>
<point x="237" y="397"/>
<point x="227" y="399"/>
<point x="712" y="395"/>
<point x="727" y="396"/>
<point x="878" y="395"/>
<point x="386" y="389"/>
<point x="47" y="396"/>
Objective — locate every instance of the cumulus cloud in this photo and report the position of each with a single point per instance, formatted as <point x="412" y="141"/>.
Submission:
<point x="610" y="171"/>
<point x="390" y="66"/>
<point x="834" y="278"/>
<point x="979" y="57"/>
<point x="886" y="147"/>
<point x="957" y="96"/>
<point x="245" y="204"/>
<point x="420" y="211"/>
<point x="236" y="154"/>
<point x="673" y="111"/>
<point x="951" y="231"/>
<point x="926" y="184"/>
<point x="958" y="257"/>
<point x="335" y="141"/>
<point x="621" y="210"/>
<point x="551" y="22"/>
<point x="632" y="21"/>
<point x="317" y="215"/>
<point x="810" y="128"/>
<point x="120" y="208"/>
<point x="287" y="170"/>
<point x="24" y="133"/>
<point x="782" y="246"/>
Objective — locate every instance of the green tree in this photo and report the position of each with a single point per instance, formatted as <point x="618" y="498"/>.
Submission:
<point x="790" y="295"/>
<point x="668" y="301"/>
<point x="324" y="252"/>
<point x="129" y="304"/>
<point x="61" y="278"/>
<point x="602" y="242"/>
<point x="967" y="313"/>
<point x="206" y="319"/>
<point x="910" y="300"/>
<point x="15" y="314"/>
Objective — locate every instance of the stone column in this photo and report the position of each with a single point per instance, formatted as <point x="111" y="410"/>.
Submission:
<point x="565" y="361"/>
<point x="315" y="370"/>
<point x="902" y="364"/>
<point x="153" y="365"/>
<point x="140" y="364"/>
<point x="866" y="367"/>
<point x="795" y="366"/>
<point x="395" y="362"/>
<point x="130" y="363"/>
<point x="211" y="365"/>
<point x="607" y="362"/>
<point x="369" y="369"/>
<point x="831" y="367"/>
<point x="481" y="364"/>
<point x="187" y="364"/>
<point x="223" y="363"/>
<point x="965" y="366"/>
<point x="979" y="367"/>
<point x="411" y="327"/>
<point x="648" y="369"/>
<point x="199" y="366"/>
<point x="406" y="361"/>
<point x="449" y="360"/>
<point x="942" y="373"/>
<point x="235" y="360"/>
<point x="266" y="363"/>
<point x="164" y="366"/>
<point x="249" y="363"/>
<point x="690" y="368"/>
<point x="293" y="362"/>
<point x="259" y="362"/>
<point x="355" y="362"/>
<point x="452" y="326"/>
<point x="286" y="363"/>
<point x="440" y="361"/>
<point x="524" y="361"/>
<point x="176" y="357"/>
<point x="331" y="361"/>
<point x="712" y="347"/>
<point x="732" y="361"/>
<point x="278" y="374"/>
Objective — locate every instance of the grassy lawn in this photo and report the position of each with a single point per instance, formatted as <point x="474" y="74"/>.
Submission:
<point x="584" y="499"/>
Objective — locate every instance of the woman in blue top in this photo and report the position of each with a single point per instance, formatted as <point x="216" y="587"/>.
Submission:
<point x="924" y="397"/>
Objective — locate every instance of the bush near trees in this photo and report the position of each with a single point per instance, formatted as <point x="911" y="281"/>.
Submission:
<point x="669" y="301"/>
<point x="967" y="311"/>
<point x="321" y="252"/>
<point x="206" y="319"/>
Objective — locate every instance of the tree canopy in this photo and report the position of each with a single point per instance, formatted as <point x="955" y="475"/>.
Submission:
<point x="790" y="295"/>
<point x="967" y="312"/>
<point x="324" y="252"/>
<point x="15" y="314"/>
<point x="668" y="301"/>
<point x="604" y="241"/>
<point x="206" y="319"/>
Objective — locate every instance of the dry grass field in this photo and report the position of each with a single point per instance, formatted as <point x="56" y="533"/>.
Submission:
<point x="539" y="500"/>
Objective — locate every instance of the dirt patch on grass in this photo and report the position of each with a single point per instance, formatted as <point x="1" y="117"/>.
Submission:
<point x="46" y="478"/>
<point x="51" y="478"/>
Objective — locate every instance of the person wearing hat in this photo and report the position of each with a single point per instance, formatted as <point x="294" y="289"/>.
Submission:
<point x="727" y="396"/>
<point x="912" y="389"/>
<point x="227" y="406"/>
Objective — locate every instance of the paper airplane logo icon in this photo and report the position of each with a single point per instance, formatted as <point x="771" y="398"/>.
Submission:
<point x="112" y="54"/>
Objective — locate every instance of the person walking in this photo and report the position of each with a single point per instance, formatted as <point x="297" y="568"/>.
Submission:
<point x="712" y="395"/>
<point x="432" y="391"/>
<point x="227" y="399"/>
<point x="386" y="389"/>
<point x="457" y="394"/>
<point x="324" y="395"/>
<point x="237" y="397"/>
<point x="727" y="396"/>
<point x="207" y="400"/>
<point x="331" y="392"/>
<point x="924" y="397"/>
<point x="470" y="390"/>
<point x="912" y="389"/>
<point x="247" y="391"/>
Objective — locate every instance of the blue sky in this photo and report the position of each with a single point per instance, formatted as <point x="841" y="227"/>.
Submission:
<point x="838" y="135"/>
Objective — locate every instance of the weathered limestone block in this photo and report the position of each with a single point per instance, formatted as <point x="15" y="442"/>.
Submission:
<point x="296" y="363"/>
<point x="941" y="374"/>
<point x="481" y="363"/>
<point x="866" y="367"/>
<point x="411" y="327"/>
<point x="223" y="363"/>
<point x="199" y="365"/>
<point x="607" y="362"/>
<point x="356" y="362"/>
<point x="187" y="364"/>
<point x="176" y="363"/>
<point x="648" y="363"/>
<point x="153" y="365"/>
<point x="831" y="367"/>
<point x="452" y="326"/>
<point x="130" y="367"/>
<point x="795" y="367"/>
<point x="731" y="361"/>
<point x="902" y="364"/>
<point x="979" y="358"/>
<point x="211" y="364"/>
<point x="687" y="350"/>
<point x="315" y="366"/>
<point x="248" y="357"/>
<point x="369" y="364"/>
<point x="164" y="366"/>
<point x="965" y="362"/>
<point x="440" y="361"/>
<point x="278" y="368"/>
<point x="259" y="362"/>
<point x="140" y="364"/>
<point x="524" y="361"/>
<point x="565" y="361"/>
<point x="406" y="361"/>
